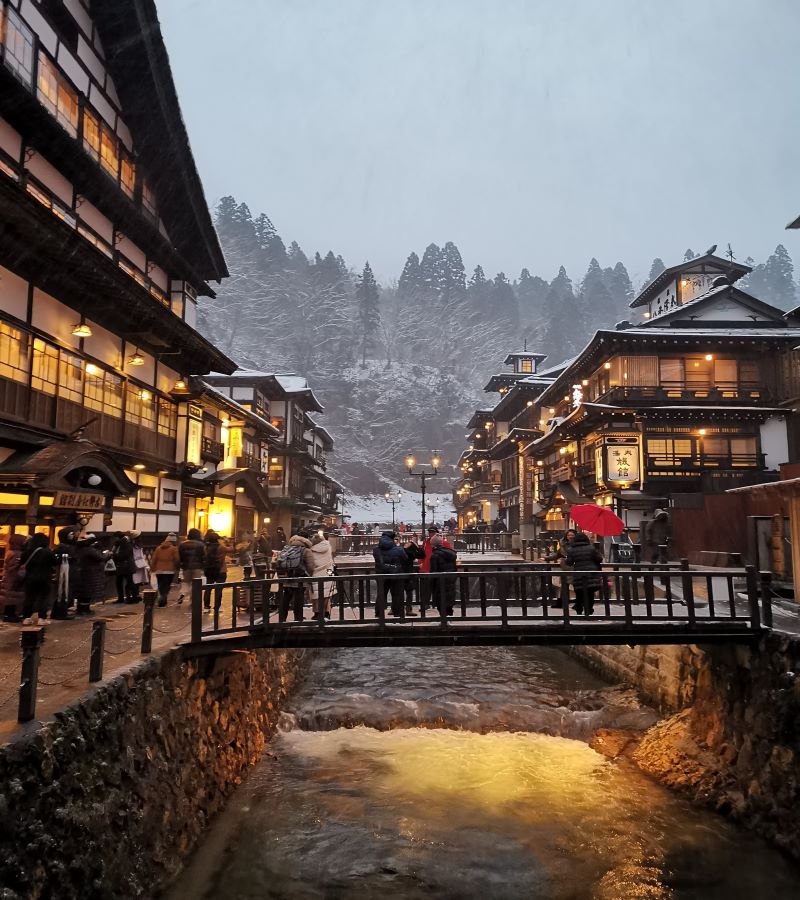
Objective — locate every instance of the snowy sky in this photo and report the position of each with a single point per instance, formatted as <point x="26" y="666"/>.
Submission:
<point x="530" y="132"/>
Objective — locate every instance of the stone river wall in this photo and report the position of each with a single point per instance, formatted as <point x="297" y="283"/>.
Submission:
<point x="108" y="797"/>
<point x="732" y="737"/>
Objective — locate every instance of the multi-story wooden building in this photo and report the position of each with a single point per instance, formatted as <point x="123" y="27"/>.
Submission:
<point x="690" y="402"/>
<point x="300" y="490"/>
<point x="105" y="244"/>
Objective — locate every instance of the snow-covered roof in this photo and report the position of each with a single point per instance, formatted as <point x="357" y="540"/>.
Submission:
<point x="776" y="331"/>
<point x="246" y="414"/>
<point x="701" y="264"/>
<point x="292" y="384"/>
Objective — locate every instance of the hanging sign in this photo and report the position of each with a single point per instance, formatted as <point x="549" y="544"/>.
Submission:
<point x="577" y="395"/>
<point x="622" y="459"/>
<point x="78" y="500"/>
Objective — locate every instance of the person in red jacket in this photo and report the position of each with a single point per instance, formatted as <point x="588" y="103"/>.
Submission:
<point x="425" y="564"/>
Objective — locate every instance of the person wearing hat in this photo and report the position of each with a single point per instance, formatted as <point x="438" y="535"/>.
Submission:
<point x="165" y="563"/>
<point x="425" y="567"/>
<point x="90" y="586"/>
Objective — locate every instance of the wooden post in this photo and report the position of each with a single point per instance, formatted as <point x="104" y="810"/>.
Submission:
<point x="30" y="641"/>
<point x="197" y="610"/>
<point x="149" y="598"/>
<point x="687" y="590"/>
<point x="766" y="598"/>
<point x="97" y="652"/>
<point x="751" y="578"/>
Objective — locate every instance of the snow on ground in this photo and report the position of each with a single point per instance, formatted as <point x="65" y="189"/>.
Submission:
<point x="374" y="508"/>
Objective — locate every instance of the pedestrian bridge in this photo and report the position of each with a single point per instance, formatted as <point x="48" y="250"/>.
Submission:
<point x="529" y="603"/>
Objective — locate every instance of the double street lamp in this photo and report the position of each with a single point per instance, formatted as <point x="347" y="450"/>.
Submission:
<point x="393" y="497"/>
<point x="422" y="475"/>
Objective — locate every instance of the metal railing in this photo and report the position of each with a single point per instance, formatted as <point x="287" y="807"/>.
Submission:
<point x="535" y="603"/>
<point x="464" y="542"/>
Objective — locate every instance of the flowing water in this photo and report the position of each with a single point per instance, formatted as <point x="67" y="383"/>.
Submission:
<point x="465" y="773"/>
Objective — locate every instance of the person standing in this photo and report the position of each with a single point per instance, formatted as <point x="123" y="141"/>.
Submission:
<point x="141" y="569"/>
<point x="295" y="561"/>
<point x="122" y="554"/>
<point x="559" y="555"/>
<point x="191" y="554"/>
<point x="586" y="561"/>
<point x="165" y="562"/>
<point x="91" y="583"/>
<point x="280" y="539"/>
<point x="414" y="553"/>
<point x="390" y="559"/>
<point x="66" y="551"/>
<point x="40" y="563"/>
<point x="657" y="535"/>
<point x="323" y="568"/>
<point x="12" y="595"/>
<point x="215" y="567"/>
<point x="425" y="568"/>
<point x="443" y="559"/>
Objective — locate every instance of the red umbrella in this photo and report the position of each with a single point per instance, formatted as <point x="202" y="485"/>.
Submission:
<point x="597" y="519"/>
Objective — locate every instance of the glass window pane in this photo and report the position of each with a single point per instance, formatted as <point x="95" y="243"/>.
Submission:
<point x="70" y="377"/>
<point x="112" y="395"/>
<point x="45" y="367"/>
<point x="18" y="53"/>
<point x="13" y="353"/>
<point x="57" y="96"/>
<point x="91" y="134"/>
<point x="671" y="372"/>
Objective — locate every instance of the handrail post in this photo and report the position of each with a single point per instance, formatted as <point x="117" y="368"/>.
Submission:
<point x="751" y="579"/>
<point x="30" y="641"/>
<point x="197" y="610"/>
<point x="687" y="590"/>
<point x="97" y="652"/>
<point x="766" y="598"/>
<point x="149" y="598"/>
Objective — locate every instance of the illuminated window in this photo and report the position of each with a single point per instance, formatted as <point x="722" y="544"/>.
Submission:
<point x="93" y="389"/>
<point x="100" y="142"/>
<point x="112" y="395"/>
<point x="170" y="496"/>
<point x="44" y="376"/>
<point x="140" y="407"/>
<point x="526" y="365"/>
<point x="149" y="200"/>
<point x="167" y="417"/>
<point x="13" y="353"/>
<point x="109" y="154"/>
<point x="70" y="377"/>
<point x="56" y="95"/>
<point x="91" y="134"/>
<point x="127" y="174"/>
<point x="18" y="41"/>
<point x="146" y="494"/>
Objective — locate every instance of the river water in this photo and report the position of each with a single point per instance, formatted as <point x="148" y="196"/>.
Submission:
<point x="465" y="773"/>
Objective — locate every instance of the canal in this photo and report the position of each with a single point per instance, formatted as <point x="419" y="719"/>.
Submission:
<point x="457" y="773"/>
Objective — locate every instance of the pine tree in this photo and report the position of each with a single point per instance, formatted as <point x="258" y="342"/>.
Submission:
<point x="619" y="286"/>
<point x="599" y="308"/>
<point x="297" y="259"/>
<point x="455" y="283"/>
<point x="773" y="281"/>
<point x="656" y="269"/>
<point x="503" y="301"/>
<point x="367" y="297"/>
<point x="409" y="285"/>
<point x="270" y="241"/>
<point x="689" y="255"/>
<point x="531" y="293"/>
<point x="431" y="273"/>
<point x="479" y="294"/>
<point x="563" y="331"/>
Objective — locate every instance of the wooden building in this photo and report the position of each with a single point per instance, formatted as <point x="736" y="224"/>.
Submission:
<point x="105" y="244"/>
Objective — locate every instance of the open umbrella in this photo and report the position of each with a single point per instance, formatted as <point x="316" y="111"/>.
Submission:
<point x="597" y="519"/>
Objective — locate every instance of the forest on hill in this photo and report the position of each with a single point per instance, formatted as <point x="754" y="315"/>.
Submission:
<point x="401" y="366"/>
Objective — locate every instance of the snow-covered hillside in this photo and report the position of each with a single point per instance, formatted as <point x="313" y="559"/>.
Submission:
<point x="372" y="508"/>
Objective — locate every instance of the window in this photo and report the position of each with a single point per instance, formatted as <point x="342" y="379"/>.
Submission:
<point x="57" y="96"/>
<point x="146" y="494"/>
<point x="18" y="40"/>
<point x="45" y="367"/>
<point x="127" y="174"/>
<point x="526" y="366"/>
<point x="140" y="407"/>
<point x="671" y="372"/>
<point x="698" y="374"/>
<point x="170" y="496"/>
<point x="91" y="134"/>
<point x="640" y="371"/>
<point x="13" y="353"/>
<point x="102" y="391"/>
<point x="109" y="154"/>
<point x="112" y="395"/>
<point x="93" y="390"/>
<point x="668" y="451"/>
<point x="167" y="417"/>
<point x="70" y="377"/>
<point x="149" y="200"/>
<point x="100" y="142"/>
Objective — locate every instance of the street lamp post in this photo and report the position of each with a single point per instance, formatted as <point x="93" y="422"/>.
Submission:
<point x="394" y="499"/>
<point x="422" y="475"/>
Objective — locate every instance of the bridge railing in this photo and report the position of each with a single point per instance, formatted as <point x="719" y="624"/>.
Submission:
<point x="628" y="599"/>
<point x="486" y="542"/>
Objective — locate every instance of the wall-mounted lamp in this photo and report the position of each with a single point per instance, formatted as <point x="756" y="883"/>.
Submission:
<point x="82" y="329"/>
<point x="137" y="359"/>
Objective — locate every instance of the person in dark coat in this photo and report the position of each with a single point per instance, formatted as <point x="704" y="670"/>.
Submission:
<point x="585" y="560"/>
<point x="91" y="584"/>
<point x="656" y="536"/>
<point x="215" y="566"/>
<point x="66" y="551"/>
<point x="192" y="553"/>
<point x="443" y="559"/>
<point x="414" y="553"/>
<point x="280" y="539"/>
<point x="390" y="559"/>
<point x="40" y="563"/>
<point x="12" y="595"/>
<point x="122" y="554"/>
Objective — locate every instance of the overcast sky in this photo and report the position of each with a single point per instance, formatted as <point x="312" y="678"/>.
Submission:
<point x="530" y="132"/>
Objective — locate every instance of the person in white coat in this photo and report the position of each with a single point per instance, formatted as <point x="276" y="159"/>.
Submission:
<point x="323" y="567"/>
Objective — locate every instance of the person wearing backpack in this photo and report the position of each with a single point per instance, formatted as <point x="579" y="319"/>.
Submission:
<point x="296" y="560"/>
<point x="11" y="590"/>
<point x="390" y="559"/>
<point x="38" y="562"/>
<point x="443" y="559"/>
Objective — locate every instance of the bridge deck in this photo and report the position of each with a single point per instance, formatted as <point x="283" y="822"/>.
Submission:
<point x="490" y="607"/>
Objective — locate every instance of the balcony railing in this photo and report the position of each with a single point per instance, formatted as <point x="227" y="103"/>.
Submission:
<point x="249" y="461"/>
<point x="679" y="390"/>
<point x="664" y="465"/>
<point x="211" y="450"/>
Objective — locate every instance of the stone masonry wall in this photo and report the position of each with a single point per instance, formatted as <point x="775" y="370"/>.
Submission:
<point x="107" y="798"/>
<point x="733" y="740"/>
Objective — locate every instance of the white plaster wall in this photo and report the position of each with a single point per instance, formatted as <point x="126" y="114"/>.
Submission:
<point x="775" y="442"/>
<point x="95" y="219"/>
<point x="10" y="140"/>
<point x="40" y="168"/>
<point x="54" y="318"/>
<point x="13" y="294"/>
<point x="103" y="346"/>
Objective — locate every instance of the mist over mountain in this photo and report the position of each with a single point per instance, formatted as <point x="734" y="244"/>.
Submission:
<point x="401" y="367"/>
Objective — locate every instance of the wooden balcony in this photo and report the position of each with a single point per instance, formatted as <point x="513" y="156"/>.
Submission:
<point x="700" y="463"/>
<point x="212" y="451"/>
<point x="670" y="392"/>
<point x="249" y="461"/>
